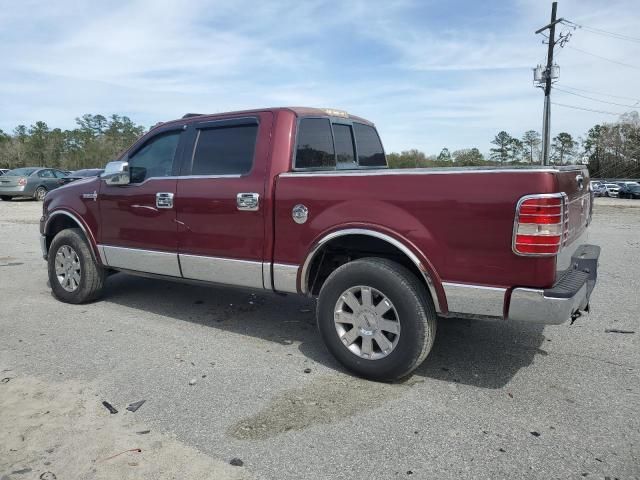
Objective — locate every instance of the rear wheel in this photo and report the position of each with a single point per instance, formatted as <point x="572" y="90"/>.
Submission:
<point x="376" y="318"/>
<point x="74" y="275"/>
<point x="40" y="193"/>
<point x="5" y="198"/>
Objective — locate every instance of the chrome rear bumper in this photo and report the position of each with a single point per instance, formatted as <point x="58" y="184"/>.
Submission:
<point x="566" y="299"/>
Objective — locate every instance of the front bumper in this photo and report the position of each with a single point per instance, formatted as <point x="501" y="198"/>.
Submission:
<point x="566" y="299"/>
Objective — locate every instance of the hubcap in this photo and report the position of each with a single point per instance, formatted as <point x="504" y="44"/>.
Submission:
<point x="41" y="193"/>
<point x="367" y="323"/>
<point x="68" y="268"/>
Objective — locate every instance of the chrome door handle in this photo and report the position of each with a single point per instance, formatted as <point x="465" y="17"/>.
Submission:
<point x="164" y="200"/>
<point x="249" y="202"/>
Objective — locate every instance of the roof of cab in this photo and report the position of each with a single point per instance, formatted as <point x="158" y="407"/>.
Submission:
<point x="298" y="111"/>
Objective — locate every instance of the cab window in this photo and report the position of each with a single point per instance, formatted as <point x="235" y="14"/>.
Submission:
<point x="315" y="144"/>
<point x="155" y="158"/>
<point x="225" y="150"/>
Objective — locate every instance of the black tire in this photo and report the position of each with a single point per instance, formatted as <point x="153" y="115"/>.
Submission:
<point x="40" y="193"/>
<point x="5" y="198"/>
<point x="92" y="276"/>
<point x="415" y="310"/>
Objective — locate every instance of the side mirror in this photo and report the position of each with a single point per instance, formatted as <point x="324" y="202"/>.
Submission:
<point x="116" y="173"/>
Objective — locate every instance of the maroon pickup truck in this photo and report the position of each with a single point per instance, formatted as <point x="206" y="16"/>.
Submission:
<point x="299" y="200"/>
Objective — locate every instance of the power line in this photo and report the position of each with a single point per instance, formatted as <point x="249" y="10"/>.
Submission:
<point x="601" y="94"/>
<point x="604" y="58"/>
<point x="585" y="109"/>
<point x="600" y="31"/>
<point x="597" y="99"/>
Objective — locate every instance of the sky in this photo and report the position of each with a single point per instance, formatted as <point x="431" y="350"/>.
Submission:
<point x="429" y="74"/>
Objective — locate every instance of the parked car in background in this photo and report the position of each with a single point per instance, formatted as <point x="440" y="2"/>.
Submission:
<point x="630" y="191"/>
<point x="78" y="174"/>
<point x="3" y="171"/>
<point x="610" y="190"/>
<point x="599" y="190"/>
<point x="299" y="200"/>
<point x="33" y="182"/>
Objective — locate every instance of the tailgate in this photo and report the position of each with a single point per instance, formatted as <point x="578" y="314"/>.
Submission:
<point x="574" y="182"/>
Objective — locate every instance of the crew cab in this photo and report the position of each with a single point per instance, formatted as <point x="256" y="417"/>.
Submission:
<point x="300" y="201"/>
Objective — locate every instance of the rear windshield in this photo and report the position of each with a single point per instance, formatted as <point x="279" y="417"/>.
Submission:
<point x="326" y="145"/>
<point x="20" y="172"/>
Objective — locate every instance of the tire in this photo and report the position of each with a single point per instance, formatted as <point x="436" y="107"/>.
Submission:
<point x="5" y="198"/>
<point x="40" y="193"/>
<point x="71" y="253"/>
<point x="411" y="307"/>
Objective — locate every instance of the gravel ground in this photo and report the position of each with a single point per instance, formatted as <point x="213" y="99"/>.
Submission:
<point x="493" y="400"/>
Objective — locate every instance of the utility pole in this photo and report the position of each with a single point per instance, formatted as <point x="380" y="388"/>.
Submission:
<point x="547" y="76"/>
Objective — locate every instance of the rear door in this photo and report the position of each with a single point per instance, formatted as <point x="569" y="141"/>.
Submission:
<point x="138" y="221"/>
<point x="220" y="200"/>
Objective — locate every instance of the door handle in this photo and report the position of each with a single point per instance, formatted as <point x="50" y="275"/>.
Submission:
<point x="249" y="202"/>
<point x="164" y="200"/>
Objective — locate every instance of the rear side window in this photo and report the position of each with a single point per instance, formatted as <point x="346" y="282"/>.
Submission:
<point x="225" y="150"/>
<point x="370" y="152"/>
<point x="345" y="148"/>
<point x="315" y="144"/>
<point x="45" y="174"/>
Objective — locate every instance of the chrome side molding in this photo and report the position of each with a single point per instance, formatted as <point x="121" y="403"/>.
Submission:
<point x="476" y="300"/>
<point x="285" y="277"/>
<point x="226" y="271"/>
<point x="149" y="261"/>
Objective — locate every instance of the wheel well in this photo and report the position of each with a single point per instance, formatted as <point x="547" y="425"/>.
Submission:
<point x="59" y="223"/>
<point x="347" y="248"/>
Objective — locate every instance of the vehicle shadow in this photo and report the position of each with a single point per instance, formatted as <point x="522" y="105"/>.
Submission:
<point x="484" y="354"/>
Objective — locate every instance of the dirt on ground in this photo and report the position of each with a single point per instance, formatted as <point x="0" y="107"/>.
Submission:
<point x="62" y="431"/>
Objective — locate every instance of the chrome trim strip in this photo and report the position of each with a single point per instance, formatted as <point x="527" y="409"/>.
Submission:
<point x="227" y="271"/>
<point x="474" y="299"/>
<point x="149" y="261"/>
<point x="266" y="276"/>
<point x="304" y="276"/>
<point x="413" y="171"/>
<point x="43" y="246"/>
<point x="285" y="277"/>
<point x="103" y="257"/>
<point x="531" y="305"/>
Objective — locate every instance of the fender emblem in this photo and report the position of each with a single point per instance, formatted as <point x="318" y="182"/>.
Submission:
<point x="90" y="196"/>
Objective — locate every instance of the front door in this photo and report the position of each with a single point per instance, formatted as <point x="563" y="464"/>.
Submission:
<point x="138" y="227"/>
<point x="220" y="201"/>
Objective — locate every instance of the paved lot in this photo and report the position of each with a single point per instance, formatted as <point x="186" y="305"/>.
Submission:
<point x="493" y="400"/>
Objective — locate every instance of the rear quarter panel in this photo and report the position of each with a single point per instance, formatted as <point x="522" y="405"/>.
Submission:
<point x="460" y="224"/>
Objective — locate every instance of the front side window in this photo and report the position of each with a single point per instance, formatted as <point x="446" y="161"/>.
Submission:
<point x="225" y="150"/>
<point x="155" y="159"/>
<point x="315" y="144"/>
<point x="345" y="148"/>
<point x="370" y="151"/>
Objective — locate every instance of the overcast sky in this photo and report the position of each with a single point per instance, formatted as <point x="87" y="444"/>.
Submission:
<point x="428" y="73"/>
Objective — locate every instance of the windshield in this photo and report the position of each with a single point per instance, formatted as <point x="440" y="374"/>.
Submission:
<point x="20" y="172"/>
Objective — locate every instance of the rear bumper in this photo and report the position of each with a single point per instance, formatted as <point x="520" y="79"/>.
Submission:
<point x="13" y="191"/>
<point x="566" y="299"/>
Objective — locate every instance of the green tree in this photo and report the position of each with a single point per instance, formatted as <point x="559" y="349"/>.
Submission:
<point x="468" y="157"/>
<point x="532" y="140"/>
<point x="444" y="155"/>
<point x="563" y="147"/>
<point x="503" y="142"/>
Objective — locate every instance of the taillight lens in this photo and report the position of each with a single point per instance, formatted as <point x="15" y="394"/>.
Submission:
<point x="22" y="182"/>
<point x="541" y="225"/>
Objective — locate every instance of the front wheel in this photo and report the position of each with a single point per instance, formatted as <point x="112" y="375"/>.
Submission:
<point x="74" y="275"/>
<point x="40" y="193"/>
<point x="376" y="318"/>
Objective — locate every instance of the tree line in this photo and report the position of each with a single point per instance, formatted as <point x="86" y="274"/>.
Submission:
<point x="611" y="150"/>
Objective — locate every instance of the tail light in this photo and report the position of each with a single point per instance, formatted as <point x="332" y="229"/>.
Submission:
<point x="541" y="225"/>
<point x="22" y="182"/>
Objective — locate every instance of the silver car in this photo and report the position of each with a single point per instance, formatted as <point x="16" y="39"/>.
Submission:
<point x="30" y="182"/>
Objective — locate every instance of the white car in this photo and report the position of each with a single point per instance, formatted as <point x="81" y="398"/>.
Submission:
<point x="610" y="190"/>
